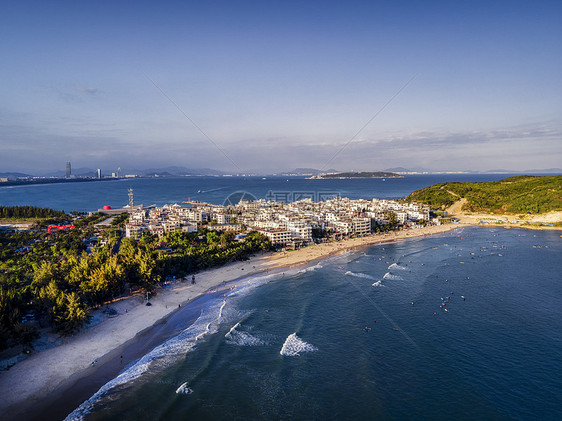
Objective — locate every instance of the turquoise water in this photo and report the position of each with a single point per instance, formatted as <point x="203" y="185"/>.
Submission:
<point x="366" y="336"/>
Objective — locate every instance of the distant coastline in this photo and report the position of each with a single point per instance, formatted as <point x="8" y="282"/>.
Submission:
<point x="364" y="174"/>
<point x="51" y="181"/>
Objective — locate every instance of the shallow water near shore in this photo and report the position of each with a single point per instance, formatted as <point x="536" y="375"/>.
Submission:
<point x="459" y="325"/>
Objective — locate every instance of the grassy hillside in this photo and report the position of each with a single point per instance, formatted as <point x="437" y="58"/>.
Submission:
<point x="520" y="194"/>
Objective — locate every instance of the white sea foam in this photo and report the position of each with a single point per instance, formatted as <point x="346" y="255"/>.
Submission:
<point x="184" y="389"/>
<point x="176" y="347"/>
<point x="311" y="268"/>
<point x="378" y="284"/>
<point x="161" y="356"/>
<point x="396" y="266"/>
<point x="242" y="338"/>
<point x="392" y="277"/>
<point x="360" y="275"/>
<point x="248" y="285"/>
<point x="232" y="329"/>
<point x="293" y="346"/>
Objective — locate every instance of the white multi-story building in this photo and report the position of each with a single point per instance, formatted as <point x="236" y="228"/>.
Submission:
<point x="361" y="226"/>
<point x="342" y="226"/>
<point x="189" y="227"/>
<point x="223" y="218"/>
<point x="224" y="227"/>
<point x="277" y="236"/>
<point x="300" y="230"/>
<point x="283" y="223"/>
<point x="134" y="230"/>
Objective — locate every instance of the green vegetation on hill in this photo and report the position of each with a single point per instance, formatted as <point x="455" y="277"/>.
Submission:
<point x="520" y="194"/>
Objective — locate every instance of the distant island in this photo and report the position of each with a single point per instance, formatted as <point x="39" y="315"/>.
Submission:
<point x="364" y="174"/>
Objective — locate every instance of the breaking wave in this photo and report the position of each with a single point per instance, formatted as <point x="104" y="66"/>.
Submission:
<point x="378" y="284"/>
<point x="310" y="268"/>
<point x="249" y="284"/>
<point x="396" y="266"/>
<point x="241" y="338"/>
<point x="293" y="346"/>
<point x="175" y="348"/>
<point x="162" y="356"/>
<point x="184" y="389"/>
<point x="392" y="277"/>
<point x="360" y="275"/>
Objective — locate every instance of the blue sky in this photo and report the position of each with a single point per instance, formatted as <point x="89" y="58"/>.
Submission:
<point x="280" y="84"/>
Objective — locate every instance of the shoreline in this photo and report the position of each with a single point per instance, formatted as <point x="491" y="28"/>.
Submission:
<point x="30" y="386"/>
<point x="33" y="387"/>
<point x="80" y="386"/>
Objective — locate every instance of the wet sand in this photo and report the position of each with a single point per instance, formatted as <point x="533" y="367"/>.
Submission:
<point x="51" y="383"/>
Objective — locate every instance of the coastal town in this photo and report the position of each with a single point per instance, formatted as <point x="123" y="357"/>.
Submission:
<point x="281" y="210"/>
<point x="131" y="285"/>
<point x="289" y="225"/>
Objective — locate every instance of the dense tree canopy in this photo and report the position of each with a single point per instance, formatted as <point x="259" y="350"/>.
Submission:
<point x="54" y="280"/>
<point x="28" y="212"/>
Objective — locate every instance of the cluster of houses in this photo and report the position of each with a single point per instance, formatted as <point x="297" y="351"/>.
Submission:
<point x="285" y="224"/>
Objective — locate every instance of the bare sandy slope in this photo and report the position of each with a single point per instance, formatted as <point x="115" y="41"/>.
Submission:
<point x="473" y="218"/>
<point x="36" y="377"/>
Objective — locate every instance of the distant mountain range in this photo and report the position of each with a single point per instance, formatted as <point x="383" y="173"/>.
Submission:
<point x="343" y="175"/>
<point x="496" y="171"/>
<point x="172" y="171"/>
<point x="175" y="171"/>
<point x="312" y="171"/>
<point x="13" y="175"/>
<point x="402" y="169"/>
<point x="78" y="172"/>
<point x="308" y="171"/>
<point x="535" y="171"/>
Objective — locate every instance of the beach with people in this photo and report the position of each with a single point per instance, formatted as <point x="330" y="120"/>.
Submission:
<point x="97" y="350"/>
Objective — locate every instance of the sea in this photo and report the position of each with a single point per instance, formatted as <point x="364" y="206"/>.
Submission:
<point x="92" y="195"/>
<point x="461" y="325"/>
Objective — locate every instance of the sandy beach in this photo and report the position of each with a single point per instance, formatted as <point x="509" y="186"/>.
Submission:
<point x="36" y="381"/>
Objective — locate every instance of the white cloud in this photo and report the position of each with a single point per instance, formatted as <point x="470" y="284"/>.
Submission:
<point x="87" y="91"/>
